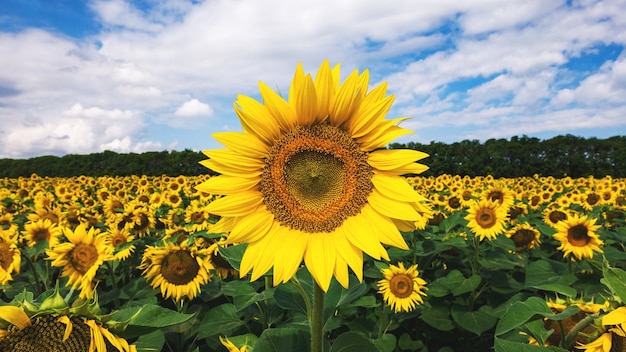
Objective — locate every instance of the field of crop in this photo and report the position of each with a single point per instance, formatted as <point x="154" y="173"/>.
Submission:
<point x="524" y="264"/>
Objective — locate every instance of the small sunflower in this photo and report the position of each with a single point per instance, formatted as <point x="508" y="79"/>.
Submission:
<point x="578" y="237"/>
<point x="486" y="219"/>
<point x="524" y="236"/>
<point x="309" y="178"/>
<point x="223" y="269"/>
<point x="81" y="257"/>
<point x="10" y="257"/>
<point x="552" y="215"/>
<point x="118" y="240"/>
<point x="41" y="230"/>
<point x="176" y="269"/>
<point x="402" y="288"/>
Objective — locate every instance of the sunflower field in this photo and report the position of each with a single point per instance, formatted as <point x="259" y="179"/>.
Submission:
<point x="523" y="264"/>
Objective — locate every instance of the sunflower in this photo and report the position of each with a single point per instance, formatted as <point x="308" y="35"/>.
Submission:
<point x="486" y="218"/>
<point x="41" y="230"/>
<point x="499" y="194"/>
<point x="524" y="236"/>
<point x="578" y="237"/>
<point x="81" y="257"/>
<point x="119" y="240"/>
<point x="223" y="269"/>
<point x="552" y="215"/>
<point x="308" y="179"/>
<point x="49" y="332"/>
<point x="177" y="269"/>
<point x="10" y="257"/>
<point x="402" y="288"/>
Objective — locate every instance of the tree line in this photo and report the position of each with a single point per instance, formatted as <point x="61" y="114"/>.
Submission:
<point x="559" y="156"/>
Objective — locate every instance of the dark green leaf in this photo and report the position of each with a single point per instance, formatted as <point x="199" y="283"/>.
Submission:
<point x="353" y="342"/>
<point x="533" y="308"/>
<point x="476" y="321"/>
<point x="283" y="339"/>
<point x="438" y="317"/>
<point x="222" y="319"/>
<point x="614" y="279"/>
<point x="502" y="345"/>
<point x="233" y="254"/>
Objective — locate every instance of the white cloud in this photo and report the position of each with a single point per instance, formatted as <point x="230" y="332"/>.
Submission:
<point x="193" y="108"/>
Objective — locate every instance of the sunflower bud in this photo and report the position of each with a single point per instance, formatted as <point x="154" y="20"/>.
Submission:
<point x="55" y="302"/>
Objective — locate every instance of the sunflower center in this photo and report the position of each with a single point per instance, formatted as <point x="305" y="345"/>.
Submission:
<point x="46" y="334"/>
<point x="486" y="218"/>
<point x="496" y="196"/>
<point x="6" y="257"/>
<point x="454" y="202"/>
<point x="578" y="236"/>
<point x="118" y="240"/>
<point x="83" y="257"/>
<point x="315" y="178"/>
<point x="556" y="216"/>
<point x="179" y="267"/>
<point x="523" y="238"/>
<point x="401" y="285"/>
<point x="41" y="235"/>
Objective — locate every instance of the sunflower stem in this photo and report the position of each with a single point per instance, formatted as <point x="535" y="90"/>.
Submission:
<point x="116" y="301"/>
<point x="37" y="280"/>
<point x="317" y="319"/>
<point x="569" y="339"/>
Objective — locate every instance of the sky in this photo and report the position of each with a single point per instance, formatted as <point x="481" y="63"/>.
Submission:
<point x="84" y="76"/>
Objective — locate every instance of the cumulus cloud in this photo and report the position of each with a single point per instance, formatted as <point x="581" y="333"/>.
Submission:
<point x="192" y="108"/>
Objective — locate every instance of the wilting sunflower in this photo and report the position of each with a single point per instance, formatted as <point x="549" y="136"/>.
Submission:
<point x="10" y="257"/>
<point x="51" y="332"/>
<point x="402" y="288"/>
<point x="486" y="218"/>
<point x="578" y="237"/>
<point x="176" y="269"/>
<point x="309" y="178"/>
<point x="524" y="236"/>
<point x="81" y="257"/>
<point x="41" y="230"/>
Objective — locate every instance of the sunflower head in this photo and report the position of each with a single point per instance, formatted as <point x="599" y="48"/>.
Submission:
<point x="402" y="288"/>
<point x="309" y="178"/>
<point x="577" y="235"/>
<point x="486" y="218"/>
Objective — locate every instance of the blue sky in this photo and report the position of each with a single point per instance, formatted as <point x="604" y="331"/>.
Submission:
<point x="83" y="76"/>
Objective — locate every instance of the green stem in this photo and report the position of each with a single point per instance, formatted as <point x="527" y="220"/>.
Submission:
<point x="569" y="339"/>
<point x="37" y="280"/>
<point x="317" y="319"/>
<point x="116" y="301"/>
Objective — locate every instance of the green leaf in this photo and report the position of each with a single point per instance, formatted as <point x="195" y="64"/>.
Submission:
<point x="386" y="343"/>
<point x="353" y="342"/>
<point x="438" y="317"/>
<point x="337" y="295"/>
<point x="533" y="308"/>
<point x="545" y="271"/>
<point x="476" y="321"/>
<point x="614" y="279"/>
<point x="283" y="339"/>
<point x="502" y="345"/>
<point x="143" y="319"/>
<point x="222" y="319"/>
<point x="152" y="341"/>
<point x="459" y="284"/>
<point x="233" y="254"/>
<point x="287" y="296"/>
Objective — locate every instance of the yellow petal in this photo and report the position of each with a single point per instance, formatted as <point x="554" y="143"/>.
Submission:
<point x="341" y="272"/>
<point x="386" y="132"/>
<point x="237" y="161"/>
<point x="287" y="263"/>
<point x="369" y="116"/>
<point x="256" y="119"/>
<point x="296" y="82"/>
<point x="306" y="102"/>
<point x="225" y="184"/>
<point x="242" y="143"/>
<point x="230" y="169"/>
<point x="358" y="230"/>
<point x="239" y="204"/>
<point x="615" y="317"/>
<point x="390" y="159"/>
<point x="278" y="108"/>
<point x="385" y="227"/>
<point x="346" y="101"/>
<point x="97" y="340"/>
<point x="392" y="208"/>
<point x="320" y="259"/>
<point x="251" y="228"/>
<point x="396" y="187"/>
<point x="325" y="88"/>
<point x="15" y="316"/>
<point x="68" y="326"/>
<point x="350" y="254"/>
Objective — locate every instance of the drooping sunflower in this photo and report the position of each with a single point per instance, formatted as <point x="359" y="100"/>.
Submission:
<point x="402" y="288"/>
<point x="524" y="236"/>
<point x="578" y="237"/>
<point x="54" y="332"/>
<point x="177" y="270"/>
<point x="486" y="218"/>
<point x="308" y="178"/>
<point x="81" y="257"/>
<point x="10" y="257"/>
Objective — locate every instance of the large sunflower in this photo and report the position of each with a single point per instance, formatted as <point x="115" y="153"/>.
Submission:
<point x="308" y="178"/>
<point x="578" y="237"/>
<point x="402" y="288"/>
<point x="81" y="257"/>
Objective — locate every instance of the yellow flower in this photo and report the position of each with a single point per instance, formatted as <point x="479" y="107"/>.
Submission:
<point x="486" y="219"/>
<point x="177" y="270"/>
<point x="577" y="236"/>
<point x="40" y="230"/>
<point x="10" y="257"/>
<point x="601" y="344"/>
<point x="231" y="347"/>
<point x="616" y="317"/>
<point x="524" y="236"/>
<point x="81" y="257"/>
<point x="402" y="289"/>
<point x="308" y="179"/>
<point x="117" y="239"/>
